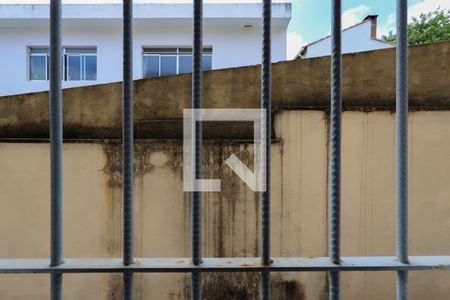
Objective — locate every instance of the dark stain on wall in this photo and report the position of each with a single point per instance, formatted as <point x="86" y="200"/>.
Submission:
<point x="224" y="216"/>
<point x="142" y="152"/>
<point x="113" y="164"/>
<point x="233" y="286"/>
<point x="287" y="289"/>
<point x="112" y="171"/>
<point x="245" y="286"/>
<point x="115" y="287"/>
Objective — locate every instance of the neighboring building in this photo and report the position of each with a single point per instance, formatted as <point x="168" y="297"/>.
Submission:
<point x="357" y="38"/>
<point x="92" y="41"/>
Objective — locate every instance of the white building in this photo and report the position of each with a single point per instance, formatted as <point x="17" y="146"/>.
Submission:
<point x="357" y="38"/>
<point x="92" y="40"/>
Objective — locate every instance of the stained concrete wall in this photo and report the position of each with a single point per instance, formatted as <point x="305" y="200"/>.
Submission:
<point x="368" y="83"/>
<point x="92" y="194"/>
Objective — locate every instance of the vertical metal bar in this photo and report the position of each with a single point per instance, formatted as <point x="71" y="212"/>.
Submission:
<point x="266" y="103"/>
<point x="402" y="145"/>
<point x="335" y="147"/>
<point x="56" y="140"/>
<point x="128" y="149"/>
<point x="197" y="82"/>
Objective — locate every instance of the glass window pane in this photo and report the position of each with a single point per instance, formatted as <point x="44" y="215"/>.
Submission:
<point x="168" y="65"/>
<point x="90" y="67"/>
<point x="151" y="66"/>
<point x="207" y="62"/>
<point x="38" y="67"/>
<point x="185" y="64"/>
<point x="74" y="63"/>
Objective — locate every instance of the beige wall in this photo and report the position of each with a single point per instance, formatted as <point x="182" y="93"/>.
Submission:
<point x="92" y="208"/>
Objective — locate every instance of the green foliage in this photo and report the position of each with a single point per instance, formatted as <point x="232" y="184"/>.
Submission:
<point x="428" y="28"/>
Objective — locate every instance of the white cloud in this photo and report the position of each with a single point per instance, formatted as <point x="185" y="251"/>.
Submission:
<point x="427" y="6"/>
<point x="388" y="26"/>
<point x="414" y="11"/>
<point x="294" y="44"/>
<point x="354" y="15"/>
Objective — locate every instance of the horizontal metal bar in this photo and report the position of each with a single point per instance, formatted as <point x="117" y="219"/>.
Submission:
<point x="184" y="265"/>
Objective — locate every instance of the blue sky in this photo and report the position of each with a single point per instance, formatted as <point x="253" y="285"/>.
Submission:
<point x="311" y="18"/>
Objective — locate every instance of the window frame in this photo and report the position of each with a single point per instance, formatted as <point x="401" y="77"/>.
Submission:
<point x="30" y="54"/>
<point x="146" y="52"/>
<point x="65" y="66"/>
<point x="83" y="65"/>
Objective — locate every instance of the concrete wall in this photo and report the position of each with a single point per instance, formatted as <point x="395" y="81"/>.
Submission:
<point x="92" y="179"/>
<point x="92" y="208"/>
<point x="354" y="39"/>
<point x="368" y="84"/>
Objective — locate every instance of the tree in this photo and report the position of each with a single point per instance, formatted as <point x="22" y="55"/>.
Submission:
<point x="428" y="28"/>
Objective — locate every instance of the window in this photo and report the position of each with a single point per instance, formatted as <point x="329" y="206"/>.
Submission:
<point x="78" y="64"/>
<point x="81" y="64"/>
<point x="39" y="64"/>
<point x="171" y="61"/>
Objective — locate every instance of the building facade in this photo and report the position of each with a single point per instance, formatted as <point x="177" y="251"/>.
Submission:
<point x="357" y="38"/>
<point x="92" y="41"/>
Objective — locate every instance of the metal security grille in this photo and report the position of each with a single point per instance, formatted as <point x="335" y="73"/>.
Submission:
<point x="196" y="265"/>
